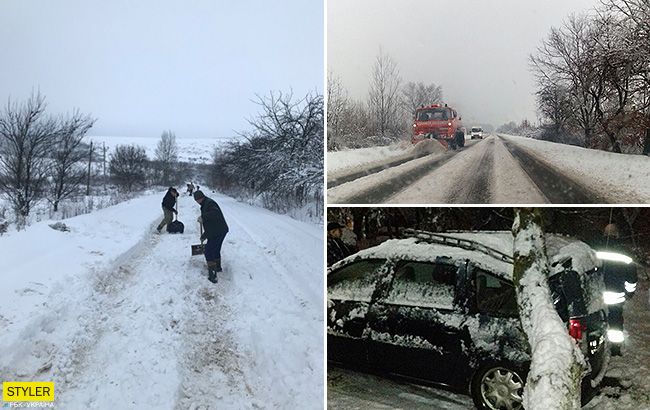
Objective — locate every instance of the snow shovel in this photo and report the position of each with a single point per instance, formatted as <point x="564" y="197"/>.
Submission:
<point x="198" y="249"/>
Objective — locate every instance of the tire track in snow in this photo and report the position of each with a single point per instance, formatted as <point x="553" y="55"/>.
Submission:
<point x="474" y="188"/>
<point x="392" y="186"/>
<point x="556" y="186"/>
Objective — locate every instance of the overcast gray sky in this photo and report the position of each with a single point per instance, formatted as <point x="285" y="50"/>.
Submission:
<point x="476" y="49"/>
<point x="144" y="66"/>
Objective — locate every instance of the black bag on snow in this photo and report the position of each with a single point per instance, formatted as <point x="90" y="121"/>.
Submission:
<point x="175" y="227"/>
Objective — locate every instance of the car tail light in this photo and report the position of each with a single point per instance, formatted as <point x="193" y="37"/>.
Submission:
<point x="577" y="329"/>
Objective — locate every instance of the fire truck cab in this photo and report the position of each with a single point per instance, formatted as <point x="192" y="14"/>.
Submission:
<point x="438" y="122"/>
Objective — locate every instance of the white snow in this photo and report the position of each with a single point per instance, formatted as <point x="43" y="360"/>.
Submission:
<point x="550" y="378"/>
<point x="621" y="177"/>
<point x="195" y="150"/>
<point x="488" y="169"/>
<point x="625" y="386"/>
<point x="120" y="317"/>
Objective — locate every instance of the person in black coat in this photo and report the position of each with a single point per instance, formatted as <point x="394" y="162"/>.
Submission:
<point x="168" y="203"/>
<point x="336" y="248"/>
<point x="215" y="229"/>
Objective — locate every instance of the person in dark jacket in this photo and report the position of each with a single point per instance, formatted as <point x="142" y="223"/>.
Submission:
<point x="168" y="203"/>
<point x="336" y="248"/>
<point x="620" y="278"/>
<point x="215" y="229"/>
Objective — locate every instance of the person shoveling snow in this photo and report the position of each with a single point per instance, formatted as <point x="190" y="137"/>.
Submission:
<point x="215" y="230"/>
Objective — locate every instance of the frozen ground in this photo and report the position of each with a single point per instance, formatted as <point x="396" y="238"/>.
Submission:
<point x="120" y="317"/>
<point x="498" y="169"/>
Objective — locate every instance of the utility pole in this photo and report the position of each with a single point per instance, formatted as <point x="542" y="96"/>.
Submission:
<point x="104" y="164"/>
<point x="90" y="159"/>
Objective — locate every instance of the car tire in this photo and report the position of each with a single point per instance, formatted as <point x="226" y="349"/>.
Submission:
<point x="615" y="349"/>
<point x="491" y="381"/>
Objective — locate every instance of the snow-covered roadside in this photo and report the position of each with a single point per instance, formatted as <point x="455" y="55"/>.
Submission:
<point x="351" y="158"/>
<point x="118" y="316"/>
<point x="625" y="386"/>
<point x="621" y="177"/>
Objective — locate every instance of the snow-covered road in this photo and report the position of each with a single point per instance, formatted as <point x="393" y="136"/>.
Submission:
<point x="120" y="317"/>
<point x="500" y="169"/>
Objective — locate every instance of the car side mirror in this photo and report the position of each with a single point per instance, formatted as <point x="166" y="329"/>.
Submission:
<point x="460" y="118"/>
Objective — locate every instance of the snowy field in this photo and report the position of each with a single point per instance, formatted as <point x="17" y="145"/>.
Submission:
<point x="194" y="150"/>
<point x="120" y="317"/>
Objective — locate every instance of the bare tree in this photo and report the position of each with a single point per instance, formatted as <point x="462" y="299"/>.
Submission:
<point x="337" y="106"/>
<point x="556" y="107"/>
<point x="556" y="386"/>
<point x="167" y="156"/>
<point x="415" y="95"/>
<point x="564" y="60"/>
<point x="281" y="158"/>
<point x="68" y="152"/>
<point x="383" y="97"/>
<point x="128" y="166"/>
<point x="26" y="140"/>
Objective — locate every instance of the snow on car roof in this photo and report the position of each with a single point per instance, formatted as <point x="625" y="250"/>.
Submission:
<point x="558" y="248"/>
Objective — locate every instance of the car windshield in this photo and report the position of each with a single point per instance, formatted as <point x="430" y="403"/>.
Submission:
<point x="476" y="130"/>
<point x="433" y="114"/>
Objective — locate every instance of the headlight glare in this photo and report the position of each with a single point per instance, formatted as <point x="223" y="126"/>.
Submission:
<point x="614" y="257"/>
<point x="613" y="298"/>
<point x="615" y="336"/>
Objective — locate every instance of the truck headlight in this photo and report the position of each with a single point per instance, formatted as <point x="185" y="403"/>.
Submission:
<point x="614" y="257"/>
<point x="613" y="298"/>
<point x="630" y="287"/>
<point x="615" y="336"/>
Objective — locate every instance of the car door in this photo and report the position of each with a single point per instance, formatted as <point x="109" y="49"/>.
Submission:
<point x="350" y="292"/>
<point x="497" y="333"/>
<point x="415" y="327"/>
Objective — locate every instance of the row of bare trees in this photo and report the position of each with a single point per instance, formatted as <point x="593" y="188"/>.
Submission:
<point x="593" y="76"/>
<point x="40" y="154"/>
<point x="45" y="157"/>
<point x="386" y="114"/>
<point x="279" y="160"/>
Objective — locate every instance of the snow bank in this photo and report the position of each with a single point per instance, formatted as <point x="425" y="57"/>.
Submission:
<point x="621" y="177"/>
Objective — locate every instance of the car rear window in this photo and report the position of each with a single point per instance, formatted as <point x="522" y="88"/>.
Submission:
<point x="355" y="281"/>
<point x="423" y="284"/>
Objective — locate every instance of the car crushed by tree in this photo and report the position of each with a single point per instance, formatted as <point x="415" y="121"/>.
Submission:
<point x="442" y="309"/>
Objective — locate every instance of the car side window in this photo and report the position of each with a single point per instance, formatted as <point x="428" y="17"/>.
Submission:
<point x="423" y="284"/>
<point x="355" y="281"/>
<point x="495" y="296"/>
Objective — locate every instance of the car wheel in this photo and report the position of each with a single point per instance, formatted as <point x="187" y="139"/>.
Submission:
<point x="497" y="387"/>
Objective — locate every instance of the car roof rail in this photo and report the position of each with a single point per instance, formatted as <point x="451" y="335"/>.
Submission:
<point x="432" y="237"/>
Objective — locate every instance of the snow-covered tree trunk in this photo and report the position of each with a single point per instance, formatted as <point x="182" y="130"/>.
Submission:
<point x="557" y="364"/>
